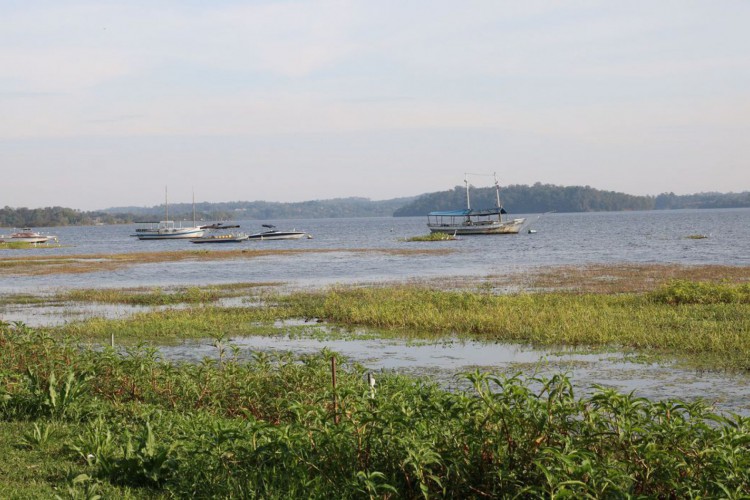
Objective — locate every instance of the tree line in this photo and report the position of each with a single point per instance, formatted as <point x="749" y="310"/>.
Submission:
<point x="57" y="216"/>
<point x="541" y="198"/>
<point x="538" y="198"/>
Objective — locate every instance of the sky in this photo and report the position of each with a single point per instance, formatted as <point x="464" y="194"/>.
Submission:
<point x="106" y="103"/>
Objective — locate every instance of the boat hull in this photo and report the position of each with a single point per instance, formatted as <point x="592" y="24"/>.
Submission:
<point x="220" y="239"/>
<point x="277" y="235"/>
<point x="176" y="235"/>
<point x="505" y="227"/>
<point x="167" y="230"/>
<point x="31" y="239"/>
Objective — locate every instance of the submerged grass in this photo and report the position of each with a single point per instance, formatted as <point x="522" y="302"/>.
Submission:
<point x="82" y="423"/>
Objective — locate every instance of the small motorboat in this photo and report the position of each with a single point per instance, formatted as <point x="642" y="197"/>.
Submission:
<point x="273" y="234"/>
<point x="27" y="235"/>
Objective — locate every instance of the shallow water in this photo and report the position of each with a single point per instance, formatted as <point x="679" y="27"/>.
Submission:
<point x="561" y="239"/>
<point x="445" y="360"/>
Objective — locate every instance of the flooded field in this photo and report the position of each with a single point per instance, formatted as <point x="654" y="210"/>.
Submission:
<point x="446" y="360"/>
<point x="443" y="360"/>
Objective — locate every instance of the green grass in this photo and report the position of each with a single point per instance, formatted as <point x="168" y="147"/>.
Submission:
<point x="706" y="320"/>
<point x="80" y="423"/>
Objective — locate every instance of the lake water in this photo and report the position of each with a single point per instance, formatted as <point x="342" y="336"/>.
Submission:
<point x="574" y="239"/>
<point x="654" y="237"/>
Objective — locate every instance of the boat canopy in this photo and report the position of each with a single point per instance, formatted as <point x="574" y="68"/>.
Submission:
<point x="468" y="212"/>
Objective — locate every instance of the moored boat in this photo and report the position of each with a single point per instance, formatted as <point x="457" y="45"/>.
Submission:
<point x="167" y="229"/>
<point x="27" y="235"/>
<point x="273" y="234"/>
<point x="471" y="221"/>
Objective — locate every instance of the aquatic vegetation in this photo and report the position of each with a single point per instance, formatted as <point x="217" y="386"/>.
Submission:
<point x="691" y="292"/>
<point x="152" y="297"/>
<point x="268" y="428"/>
<point x="617" y="278"/>
<point x="432" y="237"/>
<point x="21" y="245"/>
<point x="707" y="322"/>
<point x="716" y="329"/>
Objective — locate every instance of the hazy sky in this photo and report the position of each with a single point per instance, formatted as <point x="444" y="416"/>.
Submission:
<point x="103" y="103"/>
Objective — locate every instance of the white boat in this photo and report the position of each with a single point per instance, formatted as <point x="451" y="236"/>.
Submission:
<point x="471" y="221"/>
<point x="274" y="234"/>
<point x="168" y="229"/>
<point x="27" y="235"/>
<point x="215" y="234"/>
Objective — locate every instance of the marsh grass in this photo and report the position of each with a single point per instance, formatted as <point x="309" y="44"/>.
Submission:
<point x="143" y="428"/>
<point x="160" y="296"/>
<point x="707" y="323"/>
<point x="716" y="329"/>
<point x="619" y="278"/>
<point x="178" y="323"/>
<point x="20" y="245"/>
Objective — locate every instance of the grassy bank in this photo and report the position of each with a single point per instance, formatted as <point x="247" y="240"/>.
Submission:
<point x="81" y="423"/>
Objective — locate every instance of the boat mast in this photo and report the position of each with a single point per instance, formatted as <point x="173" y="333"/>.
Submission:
<point x="497" y="190"/>
<point x="466" y="181"/>
<point x="497" y="196"/>
<point x="166" y="204"/>
<point x="193" y="207"/>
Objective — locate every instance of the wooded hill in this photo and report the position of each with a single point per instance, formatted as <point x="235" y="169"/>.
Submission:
<point x="264" y="210"/>
<point x="541" y="198"/>
<point x="517" y="199"/>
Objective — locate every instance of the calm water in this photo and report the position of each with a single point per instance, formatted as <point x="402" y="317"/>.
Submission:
<point x="634" y="237"/>
<point x="561" y="239"/>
